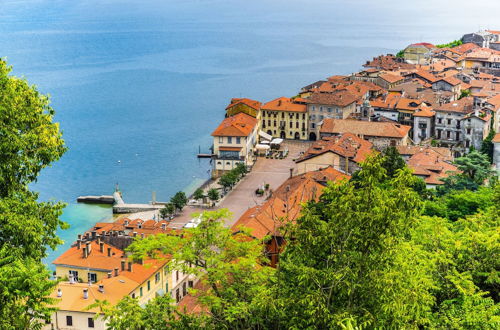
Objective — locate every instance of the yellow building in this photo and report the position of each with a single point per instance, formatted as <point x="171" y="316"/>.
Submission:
<point x="285" y="118"/>
<point x="418" y="53"/>
<point x="115" y="277"/>
<point x="243" y="105"/>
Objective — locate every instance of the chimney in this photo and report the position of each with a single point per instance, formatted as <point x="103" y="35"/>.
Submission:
<point x="85" y="252"/>
<point x="80" y="237"/>
<point x="129" y="266"/>
<point x="78" y="244"/>
<point x="291" y="172"/>
<point x="110" y="274"/>
<point x="101" y="247"/>
<point x="123" y="265"/>
<point x="59" y="293"/>
<point x="164" y="226"/>
<point x="89" y="247"/>
<point x="116" y="271"/>
<point x="85" y="293"/>
<point x="101" y="288"/>
<point x="109" y="252"/>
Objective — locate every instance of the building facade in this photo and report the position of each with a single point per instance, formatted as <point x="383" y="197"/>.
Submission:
<point x="285" y="118"/>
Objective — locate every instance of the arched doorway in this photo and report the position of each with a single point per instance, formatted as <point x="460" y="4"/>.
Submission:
<point x="283" y="135"/>
<point x="312" y="136"/>
<point x="297" y="136"/>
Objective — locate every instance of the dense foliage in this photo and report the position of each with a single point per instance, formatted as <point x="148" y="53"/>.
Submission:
<point x="451" y="44"/>
<point x="371" y="253"/>
<point x="29" y="142"/>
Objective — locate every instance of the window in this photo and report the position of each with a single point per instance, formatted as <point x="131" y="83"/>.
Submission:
<point x="303" y="116"/>
<point x="166" y="287"/>
<point x="269" y="122"/>
<point x="184" y="289"/>
<point x="133" y="295"/>
<point x="449" y="121"/>
<point x="467" y="143"/>
<point x="74" y="273"/>
<point x="320" y="109"/>
<point x="458" y="136"/>
<point x="229" y="139"/>
<point x="177" y="295"/>
<point x="69" y="320"/>
<point x="329" y="109"/>
<point x="221" y="139"/>
<point x="440" y="120"/>
<point x="468" y="130"/>
<point x="438" y="133"/>
<point x="321" y="117"/>
<point x="238" y="140"/>
<point x="282" y="115"/>
<point x="176" y="275"/>
<point x="275" y="123"/>
<point x="291" y="125"/>
<point x="296" y="116"/>
<point x="313" y="125"/>
<point x="157" y="277"/>
<point x="149" y="285"/>
<point x="190" y="284"/>
<point x="140" y="292"/>
<point x="337" y="110"/>
<point x="297" y="125"/>
<point x="448" y="134"/>
<point x="313" y="108"/>
<point x="90" y="321"/>
<point x="92" y="277"/>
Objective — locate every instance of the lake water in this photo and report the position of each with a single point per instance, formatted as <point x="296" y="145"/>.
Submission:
<point x="146" y="82"/>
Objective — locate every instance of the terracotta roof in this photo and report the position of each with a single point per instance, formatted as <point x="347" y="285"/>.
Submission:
<point x="464" y="48"/>
<point x="284" y="104"/>
<point x="240" y="124"/>
<point x="464" y="105"/>
<point x="390" y="78"/>
<point x="409" y="104"/>
<point x="348" y="145"/>
<point x="450" y="80"/>
<point x="286" y="203"/>
<point x="425" y="44"/>
<point x="431" y="165"/>
<point x="364" y="128"/>
<point x="339" y="98"/>
<point x="445" y="153"/>
<point x="493" y="31"/>
<point x="496" y="138"/>
<point x="387" y="101"/>
<point x="95" y="260"/>
<point x="495" y="101"/>
<point x="388" y="62"/>
<point x="249" y="102"/>
<point x="425" y="74"/>
<point x="424" y="112"/>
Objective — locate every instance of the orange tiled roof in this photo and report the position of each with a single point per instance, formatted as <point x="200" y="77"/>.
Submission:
<point x="364" y="128"/>
<point x="445" y="153"/>
<point x="341" y="98"/>
<point x="496" y="138"/>
<point x="249" y="102"/>
<point x="240" y="124"/>
<point x="450" y="80"/>
<point x="464" y="48"/>
<point x="284" y="104"/>
<point x="286" y="203"/>
<point x="95" y="260"/>
<point x="431" y="165"/>
<point x="390" y="78"/>
<point x="464" y="105"/>
<point x="348" y="145"/>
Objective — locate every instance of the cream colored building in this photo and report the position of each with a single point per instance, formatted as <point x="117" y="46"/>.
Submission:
<point x="234" y="141"/>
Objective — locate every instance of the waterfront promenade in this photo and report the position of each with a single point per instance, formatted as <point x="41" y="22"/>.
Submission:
<point x="242" y="196"/>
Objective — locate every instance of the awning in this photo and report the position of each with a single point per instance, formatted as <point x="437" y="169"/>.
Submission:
<point x="229" y="148"/>
<point x="262" y="147"/>
<point x="276" y="141"/>
<point x="264" y="142"/>
<point x="265" y="135"/>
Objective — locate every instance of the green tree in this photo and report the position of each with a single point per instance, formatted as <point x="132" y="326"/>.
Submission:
<point x="179" y="200"/>
<point x="213" y="194"/>
<point x="228" y="267"/>
<point x="392" y="161"/>
<point x="227" y="180"/>
<point x="464" y="93"/>
<point x="167" y="210"/>
<point x="341" y="257"/>
<point x="487" y="145"/>
<point x="198" y="194"/>
<point x="241" y="169"/>
<point x="29" y="142"/>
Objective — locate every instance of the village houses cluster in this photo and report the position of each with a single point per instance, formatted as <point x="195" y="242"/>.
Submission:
<point x="431" y="103"/>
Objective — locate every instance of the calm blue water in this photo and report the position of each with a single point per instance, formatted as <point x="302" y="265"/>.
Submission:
<point x="145" y="82"/>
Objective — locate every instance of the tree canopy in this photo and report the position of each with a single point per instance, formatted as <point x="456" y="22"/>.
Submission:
<point x="29" y="142"/>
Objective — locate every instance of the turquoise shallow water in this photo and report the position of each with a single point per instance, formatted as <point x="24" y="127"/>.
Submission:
<point x="146" y="82"/>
